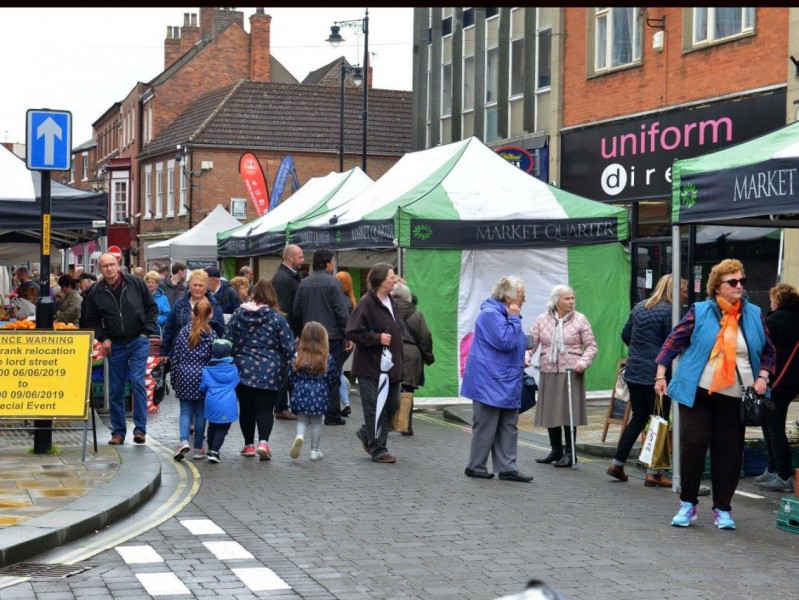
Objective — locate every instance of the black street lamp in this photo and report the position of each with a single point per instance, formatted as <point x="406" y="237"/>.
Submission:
<point x="357" y="77"/>
<point x="335" y="39"/>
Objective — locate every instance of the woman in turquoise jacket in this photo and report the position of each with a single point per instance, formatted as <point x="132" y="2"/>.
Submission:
<point x="492" y="379"/>
<point x="723" y="343"/>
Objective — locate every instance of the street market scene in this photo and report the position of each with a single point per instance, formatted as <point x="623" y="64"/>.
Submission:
<point x="523" y="324"/>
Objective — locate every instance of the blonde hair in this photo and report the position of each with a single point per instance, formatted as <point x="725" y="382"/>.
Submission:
<point x="239" y="282"/>
<point x="313" y="349"/>
<point x="664" y="291"/>
<point x="725" y="267"/>
<point x="153" y="276"/>
<point x="201" y="316"/>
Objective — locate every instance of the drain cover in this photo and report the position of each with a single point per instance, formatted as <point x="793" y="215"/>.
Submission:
<point x="41" y="570"/>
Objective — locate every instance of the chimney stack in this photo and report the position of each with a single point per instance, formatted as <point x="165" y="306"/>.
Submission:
<point x="190" y="33"/>
<point x="171" y="46"/>
<point x="260" y="42"/>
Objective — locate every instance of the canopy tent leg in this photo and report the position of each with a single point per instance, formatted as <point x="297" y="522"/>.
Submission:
<point x="675" y="318"/>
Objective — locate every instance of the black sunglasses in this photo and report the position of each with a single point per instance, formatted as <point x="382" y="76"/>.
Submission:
<point x="735" y="282"/>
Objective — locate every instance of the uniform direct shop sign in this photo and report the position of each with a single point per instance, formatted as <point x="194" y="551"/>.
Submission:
<point x="632" y="160"/>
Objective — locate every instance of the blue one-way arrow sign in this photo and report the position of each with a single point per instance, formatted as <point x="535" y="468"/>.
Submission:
<point x="49" y="140"/>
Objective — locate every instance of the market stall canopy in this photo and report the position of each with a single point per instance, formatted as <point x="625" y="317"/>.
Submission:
<point x="76" y="215"/>
<point x="753" y="183"/>
<point x="461" y="195"/>
<point x="199" y="242"/>
<point x="267" y="233"/>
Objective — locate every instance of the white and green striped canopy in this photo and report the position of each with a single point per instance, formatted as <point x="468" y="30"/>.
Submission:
<point x="464" y="195"/>
<point x="752" y="183"/>
<point x="267" y="233"/>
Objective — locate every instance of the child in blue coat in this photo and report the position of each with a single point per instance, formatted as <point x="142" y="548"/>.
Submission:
<point x="219" y="382"/>
<point x="312" y="377"/>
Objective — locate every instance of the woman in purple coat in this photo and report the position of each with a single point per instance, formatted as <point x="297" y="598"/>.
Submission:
<point x="492" y="379"/>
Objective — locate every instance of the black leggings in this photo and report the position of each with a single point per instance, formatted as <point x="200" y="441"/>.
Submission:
<point x="714" y="421"/>
<point x="556" y="441"/>
<point x="256" y="407"/>
<point x="779" y="451"/>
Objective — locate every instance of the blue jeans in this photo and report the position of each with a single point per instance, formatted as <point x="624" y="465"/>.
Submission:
<point x="128" y="362"/>
<point x="343" y="390"/>
<point x="192" y="410"/>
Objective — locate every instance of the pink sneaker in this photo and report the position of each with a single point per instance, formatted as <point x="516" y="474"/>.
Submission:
<point x="248" y="450"/>
<point x="263" y="451"/>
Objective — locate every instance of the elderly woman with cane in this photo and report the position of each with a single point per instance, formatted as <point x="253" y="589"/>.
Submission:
<point x="567" y="349"/>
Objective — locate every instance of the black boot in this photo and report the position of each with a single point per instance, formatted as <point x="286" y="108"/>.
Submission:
<point x="553" y="456"/>
<point x="566" y="460"/>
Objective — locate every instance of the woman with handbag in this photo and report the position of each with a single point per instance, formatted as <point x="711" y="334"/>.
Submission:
<point x="783" y="325"/>
<point x="723" y="344"/>
<point x="492" y="380"/>
<point x="567" y="349"/>
<point x="646" y="329"/>
<point x="417" y="344"/>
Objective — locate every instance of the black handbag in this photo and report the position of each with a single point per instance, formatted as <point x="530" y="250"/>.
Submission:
<point x="752" y="405"/>
<point x="529" y="389"/>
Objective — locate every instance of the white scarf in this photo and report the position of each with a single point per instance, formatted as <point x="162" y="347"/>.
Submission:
<point x="557" y="339"/>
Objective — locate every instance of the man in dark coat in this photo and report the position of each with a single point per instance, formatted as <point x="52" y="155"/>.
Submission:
<point x="286" y="281"/>
<point x="321" y="298"/>
<point x="124" y="315"/>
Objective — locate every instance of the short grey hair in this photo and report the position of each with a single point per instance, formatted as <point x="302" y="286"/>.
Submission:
<point x="507" y="287"/>
<point x="401" y="292"/>
<point x="556" y="294"/>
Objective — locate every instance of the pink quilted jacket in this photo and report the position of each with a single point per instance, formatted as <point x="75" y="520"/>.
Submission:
<point x="578" y="341"/>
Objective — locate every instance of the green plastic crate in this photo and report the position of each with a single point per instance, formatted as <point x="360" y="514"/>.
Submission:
<point x="788" y="514"/>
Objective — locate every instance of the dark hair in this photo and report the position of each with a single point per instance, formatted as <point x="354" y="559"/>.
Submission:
<point x="378" y="274"/>
<point x="67" y="280"/>
<point x="177" y="267"/>
<point x="321" y="258"/>
<point x="263" y="292"/>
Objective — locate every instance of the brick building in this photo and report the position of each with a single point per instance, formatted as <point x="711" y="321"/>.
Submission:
<point x="604" y="99"/>
<point x="199" y="101"/>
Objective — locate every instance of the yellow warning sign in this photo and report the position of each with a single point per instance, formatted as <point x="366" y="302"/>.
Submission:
<point x="46" y="234"/>
<point x="45" y="374"/>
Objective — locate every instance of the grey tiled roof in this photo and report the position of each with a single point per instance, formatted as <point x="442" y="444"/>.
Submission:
<point x="296" y="117"/>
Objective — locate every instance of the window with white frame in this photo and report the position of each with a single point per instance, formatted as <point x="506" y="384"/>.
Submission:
<point x="148" y="191"/>
<point x="446" y="75"/>
<point x="72" y="171"/>
<point x="617" y="37"/>
<point x="544" y="54"/>
<point x="85" y="159"/>
<point x="170" y="189"/>
<point x="183" y="184"/>
<point x="159" y="191"/>
<point x="713" y="24"/>
<point x="492" y="78"/>
<point x="119" y="197"/>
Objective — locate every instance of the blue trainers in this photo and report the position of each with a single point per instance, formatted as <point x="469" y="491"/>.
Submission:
<point x="685" y="516"/>
<point x="723" y="519"/>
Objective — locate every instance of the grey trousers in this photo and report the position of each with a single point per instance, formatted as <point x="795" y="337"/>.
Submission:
<point x="493" y="429"/>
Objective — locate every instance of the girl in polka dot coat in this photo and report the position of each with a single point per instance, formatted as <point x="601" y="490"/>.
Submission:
<point x="190" y="354"/>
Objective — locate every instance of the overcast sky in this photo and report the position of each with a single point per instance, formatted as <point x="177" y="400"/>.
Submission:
<point x="84" y="60"/>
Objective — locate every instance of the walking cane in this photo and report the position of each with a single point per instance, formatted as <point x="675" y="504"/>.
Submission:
<point x="571" y="415"/>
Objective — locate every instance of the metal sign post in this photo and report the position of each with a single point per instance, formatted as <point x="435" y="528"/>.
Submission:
<point x="48" y="148"/>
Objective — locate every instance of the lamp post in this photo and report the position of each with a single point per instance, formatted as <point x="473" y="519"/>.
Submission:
<point x="335" y="39"/>
<point x="183" y="159"/>
<point x="357" y="76"/>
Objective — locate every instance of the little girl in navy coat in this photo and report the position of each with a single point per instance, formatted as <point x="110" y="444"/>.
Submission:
<point x="312" y="377"/>
<point x="219" y="382"/>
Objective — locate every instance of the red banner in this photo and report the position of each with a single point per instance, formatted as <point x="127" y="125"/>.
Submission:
<point x="253" y="176"/>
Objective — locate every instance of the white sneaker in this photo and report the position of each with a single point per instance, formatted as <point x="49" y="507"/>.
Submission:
<point x="199" y="453"/>
<point x="181" y="450"/>
<point x="297" y="446"/>
<point x="316" y="455"/>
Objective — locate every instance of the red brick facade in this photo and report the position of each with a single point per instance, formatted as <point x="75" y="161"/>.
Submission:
<point x="674" y="76"/>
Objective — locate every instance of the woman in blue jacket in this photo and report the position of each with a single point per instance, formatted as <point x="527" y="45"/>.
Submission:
<point x="181" y="312"/>
<point x="723" y="344"/>
<point x="152" y="279"/>
<point x="492" y="379"/>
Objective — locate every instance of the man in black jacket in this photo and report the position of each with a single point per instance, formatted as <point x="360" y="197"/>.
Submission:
<point x="123" y="314"/>
<point x="286" y="280"/>
<point x="227" y="298"/>
<point x="321" y="298"/>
